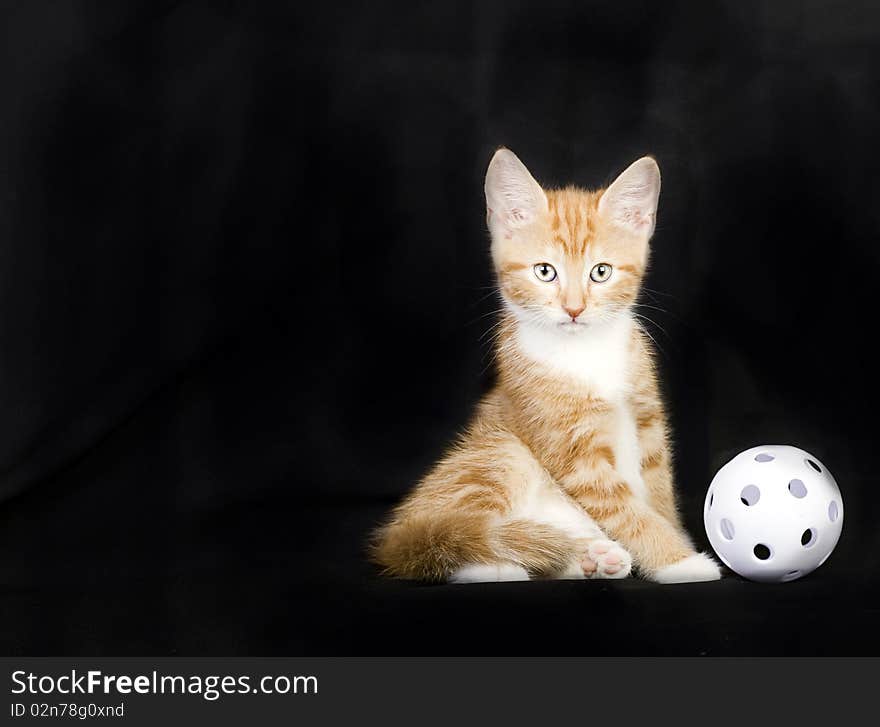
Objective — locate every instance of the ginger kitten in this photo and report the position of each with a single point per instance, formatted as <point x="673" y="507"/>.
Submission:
<point x="565" y="470"/>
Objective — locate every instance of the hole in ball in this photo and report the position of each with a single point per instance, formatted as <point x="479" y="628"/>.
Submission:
<point x="833" y="511"/>
<point x="797" y="488"/>
<point x="808" y="537"/>
<point x="762" y="552"/>
<point x="750" y="495"/>
<point x="764" y="457"/>
<point x="726" y="528"/>
<point x="812" y="464"/>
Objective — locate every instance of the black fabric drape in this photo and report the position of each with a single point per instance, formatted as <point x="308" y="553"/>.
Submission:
<point x="244" y="287"/>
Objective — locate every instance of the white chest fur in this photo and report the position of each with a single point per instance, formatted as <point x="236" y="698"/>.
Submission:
<point x="627" y="452"/>
<point x="597" y="358"/>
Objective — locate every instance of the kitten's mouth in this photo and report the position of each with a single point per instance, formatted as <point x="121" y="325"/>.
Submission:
<point x="570" y="325"/>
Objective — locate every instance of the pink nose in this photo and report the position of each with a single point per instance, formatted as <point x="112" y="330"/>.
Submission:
<point x="573" y="312"/>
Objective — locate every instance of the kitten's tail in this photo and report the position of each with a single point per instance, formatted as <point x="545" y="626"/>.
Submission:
<point x="431" y="547"/>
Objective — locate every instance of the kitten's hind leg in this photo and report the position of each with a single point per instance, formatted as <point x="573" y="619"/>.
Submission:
<point x="489" y="573"/>
<point x="596" y="556"/>
<point x="460" y="524"/>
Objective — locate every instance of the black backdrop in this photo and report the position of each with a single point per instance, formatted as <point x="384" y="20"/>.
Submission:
<point x="244" y="279"/>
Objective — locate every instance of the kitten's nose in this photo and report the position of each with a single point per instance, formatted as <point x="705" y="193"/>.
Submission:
<point x="573" y="312"/>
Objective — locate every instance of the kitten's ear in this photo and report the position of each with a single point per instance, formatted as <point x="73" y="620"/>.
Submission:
<point x="513" y="197"/>
<point x="631" y="200"/>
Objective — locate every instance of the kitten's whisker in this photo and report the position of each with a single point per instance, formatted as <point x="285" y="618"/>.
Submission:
<point x="495" y="290"/>
<point x="653" y="322"/>
<point x="658" y="292"/>
<point x="484" y="315"/>
<point x="652" y="307"/>
<point x="495" y="330"/>
<point x="645" y="330"/>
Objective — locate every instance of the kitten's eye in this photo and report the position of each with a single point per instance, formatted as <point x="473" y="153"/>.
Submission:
<point x="600" y="273"/>
<point x="545" y="272"/>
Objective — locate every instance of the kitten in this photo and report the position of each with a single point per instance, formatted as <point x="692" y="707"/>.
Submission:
<point x="565" y="470"/>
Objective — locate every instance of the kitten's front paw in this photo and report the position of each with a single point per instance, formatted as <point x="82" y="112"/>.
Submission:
<point x="694" y="568"/>
<point x="606" y="559"/>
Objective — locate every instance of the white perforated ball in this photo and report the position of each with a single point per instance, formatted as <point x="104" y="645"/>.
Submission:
<point x="773" y="513"/>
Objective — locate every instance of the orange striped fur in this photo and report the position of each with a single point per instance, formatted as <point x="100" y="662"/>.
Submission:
<point x="566" y="468"/>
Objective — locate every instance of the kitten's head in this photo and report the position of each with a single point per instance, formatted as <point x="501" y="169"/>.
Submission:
<point x="569" y="258"/>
